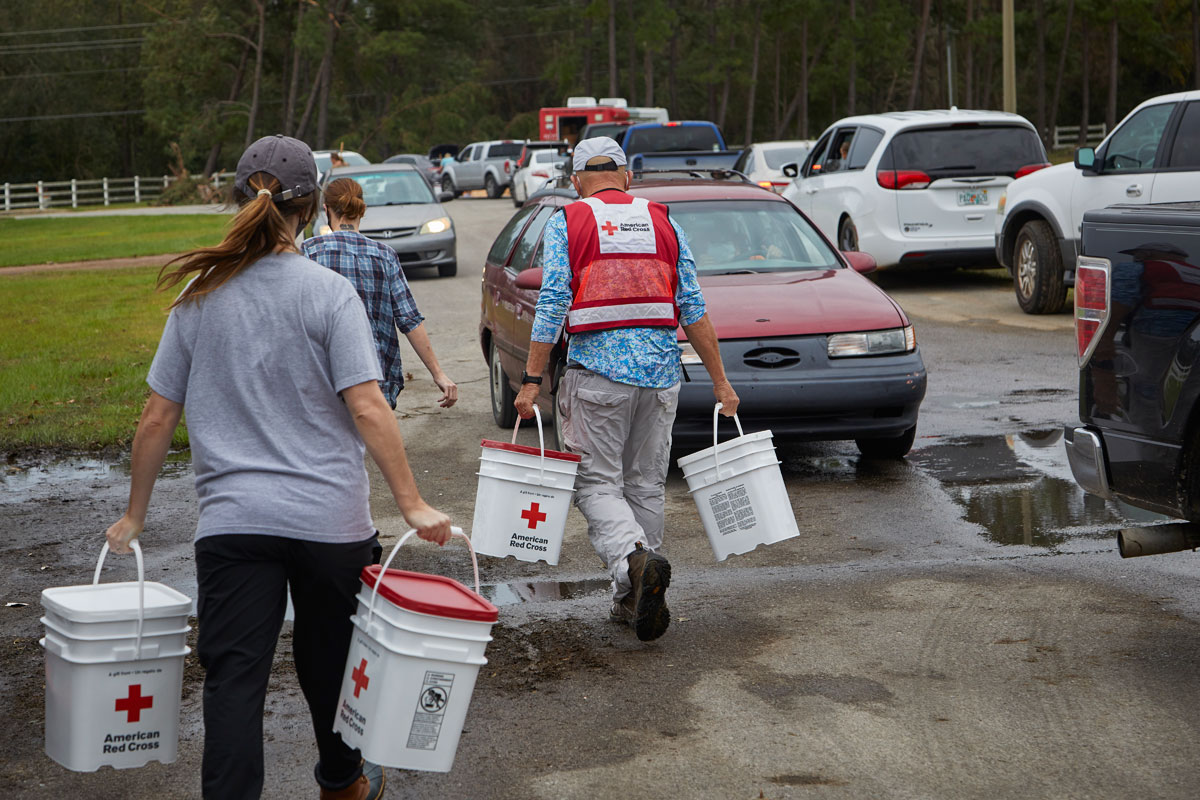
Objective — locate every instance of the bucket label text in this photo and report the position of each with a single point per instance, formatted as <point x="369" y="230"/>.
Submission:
<point x="131" y="742"/>
<point x="732" y="510"/>
<point x="431" y="710"/>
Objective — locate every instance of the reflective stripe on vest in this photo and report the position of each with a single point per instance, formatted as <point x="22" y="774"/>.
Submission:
<point x="623" y="261"/>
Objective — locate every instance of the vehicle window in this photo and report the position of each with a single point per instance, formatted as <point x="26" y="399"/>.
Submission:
<point x="776" y="157"/>
<point x="1134" y="144"/>
<point x="839" y="150"/>
<point x="1185" y="152"/>
<point x="511" y="150"/>
<point x="530" y="239"/>
<point x="751" y="236"/>
<point x="324" y="162"/>
<point x="864" y="147"/>
<point x="393" y="188"/>
<point x="813" y="165"/>
<point x="504" y="242"/>
<point x="672" y="138"/>
<point x="355" y="160"/>
<point x="743" y="161"/>
<point x="465" y="155"/>
<point x="964" y="150"/>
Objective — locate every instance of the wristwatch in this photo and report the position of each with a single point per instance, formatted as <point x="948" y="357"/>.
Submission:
<point x="527" y="378"/>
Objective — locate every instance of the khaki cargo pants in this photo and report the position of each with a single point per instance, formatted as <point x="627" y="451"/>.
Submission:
<point x="623" y="434"/>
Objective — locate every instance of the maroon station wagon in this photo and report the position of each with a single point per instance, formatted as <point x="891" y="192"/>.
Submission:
<point x="815" y="350"/>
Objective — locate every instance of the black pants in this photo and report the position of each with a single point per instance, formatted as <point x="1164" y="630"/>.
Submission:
<point x="243" y="579"/>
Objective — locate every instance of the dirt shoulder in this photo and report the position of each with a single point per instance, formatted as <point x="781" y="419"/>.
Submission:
<point x="107" y="263"/>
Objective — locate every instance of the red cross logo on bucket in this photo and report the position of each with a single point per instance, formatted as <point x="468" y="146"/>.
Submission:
<point x="609" y="228"/>
<point x="359" y="676"/>
<point x="134" y="703"/>
<point x="534" y="515"/>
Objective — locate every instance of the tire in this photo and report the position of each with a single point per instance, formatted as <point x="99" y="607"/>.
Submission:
<point x="448" y="270"/>
<point x="1038" y="269"/>
<point x="493" y="189"/>
<point x="888" y="448"/>
<point x="448" y="186"/>
<point x="503" y="396"/>
<point x="847" y="236"/>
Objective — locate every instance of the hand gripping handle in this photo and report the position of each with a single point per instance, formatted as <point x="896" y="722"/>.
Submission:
<point x="141" y="568"/>
<point x="378" y="580"/>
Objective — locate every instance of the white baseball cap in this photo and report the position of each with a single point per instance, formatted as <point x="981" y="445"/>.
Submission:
<point x="588" y="149"/>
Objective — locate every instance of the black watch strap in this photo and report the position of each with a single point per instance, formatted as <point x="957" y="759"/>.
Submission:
<point x="527" y="378"/>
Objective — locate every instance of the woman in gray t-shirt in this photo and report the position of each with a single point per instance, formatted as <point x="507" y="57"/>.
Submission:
<point x="273" y="360"/>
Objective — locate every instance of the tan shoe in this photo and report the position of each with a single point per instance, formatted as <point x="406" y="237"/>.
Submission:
<point x="650" y="575"/>
<point x="369" y="786"/>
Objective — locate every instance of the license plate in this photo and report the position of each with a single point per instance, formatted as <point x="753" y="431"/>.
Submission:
<point x="972" y="197"/>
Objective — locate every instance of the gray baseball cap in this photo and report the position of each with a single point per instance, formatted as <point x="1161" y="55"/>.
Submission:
<point x="288" y="160"/>
<point x="588" y="149"/>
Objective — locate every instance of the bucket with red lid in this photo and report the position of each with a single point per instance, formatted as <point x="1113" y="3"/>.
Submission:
<point x="416" y="648"/>
<point x="523" y="498"/>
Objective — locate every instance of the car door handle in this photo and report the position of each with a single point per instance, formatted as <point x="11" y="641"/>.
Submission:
<point x="1134" y="191"/>
<point x="974" y="217"/>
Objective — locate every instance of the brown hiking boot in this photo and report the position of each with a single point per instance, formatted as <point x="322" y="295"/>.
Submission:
<point x="650" y="574"/>
<point x="369" y="786"/>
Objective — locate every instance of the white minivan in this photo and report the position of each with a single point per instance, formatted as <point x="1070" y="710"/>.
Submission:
<point x="915" y="187"/>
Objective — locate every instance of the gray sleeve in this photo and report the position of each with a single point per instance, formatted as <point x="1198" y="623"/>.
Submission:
<point x="172" y="362"/>
<point x="353" y="358"/>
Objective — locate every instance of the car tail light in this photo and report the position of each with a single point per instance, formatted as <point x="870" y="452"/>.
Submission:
<point x="1029" y="169"/>
<point x="671" y="124"/>
<point x="507" y="165"/>
<point x="902" y="179"/>
<point x="1092" y="296"/>
<point x="540" y="174"/>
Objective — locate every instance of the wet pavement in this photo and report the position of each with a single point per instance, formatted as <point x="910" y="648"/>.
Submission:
<point x="954" y="625"/>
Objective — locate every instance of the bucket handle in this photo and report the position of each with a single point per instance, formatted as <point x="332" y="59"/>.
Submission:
<point x="378" y="580"/>
<point x="541" y="443"/>
<point x="141" y="568"/>
<point x="717" y="453"/>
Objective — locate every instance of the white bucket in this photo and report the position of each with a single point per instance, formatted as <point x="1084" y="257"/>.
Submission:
<point x="410" y="673"/>
<point x="739" y="492"/>
<point x="112" y="688"/>
<point x="523" y="498"/>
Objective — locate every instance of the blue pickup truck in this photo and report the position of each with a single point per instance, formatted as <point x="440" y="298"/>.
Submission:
<point x="1137" y="329"/>
<point x="678" y="146"/>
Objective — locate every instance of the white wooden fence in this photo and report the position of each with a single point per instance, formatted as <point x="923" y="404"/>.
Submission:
<point x="100" y="191"/>
<point x="1068" y="135"/>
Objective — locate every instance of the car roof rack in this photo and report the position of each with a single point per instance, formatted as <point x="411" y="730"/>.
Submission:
<point x="694" y="172"/>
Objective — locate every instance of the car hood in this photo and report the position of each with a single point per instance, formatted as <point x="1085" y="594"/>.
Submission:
<point x="380" y="218"/>
<point x="800" y="303"/>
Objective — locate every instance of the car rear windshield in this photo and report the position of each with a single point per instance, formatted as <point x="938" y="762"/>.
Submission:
<point x="733" y="236"/>
<point x="965" y="150"/>
<point x="393" y="188"/>
<point x="510" y="150"/>
<point x="776" y="157"/>
<point x="671" y="138"/>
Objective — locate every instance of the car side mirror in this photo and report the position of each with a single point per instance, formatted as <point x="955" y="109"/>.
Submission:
<point x="791" y="169"/>
<point x="445" y="197"/>
<point x="860" y="262"/>
<point x="1085" y="159"/>
<point x="532" y="278"/>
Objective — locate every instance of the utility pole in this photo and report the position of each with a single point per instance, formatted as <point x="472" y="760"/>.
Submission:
<point x="1010" y="58"/>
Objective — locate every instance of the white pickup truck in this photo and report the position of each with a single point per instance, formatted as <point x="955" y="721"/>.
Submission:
<point x="1153" y="156"/>
<point x="483" y="165"/>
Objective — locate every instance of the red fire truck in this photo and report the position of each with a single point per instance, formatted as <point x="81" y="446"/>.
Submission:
<point x="564" y="123"/>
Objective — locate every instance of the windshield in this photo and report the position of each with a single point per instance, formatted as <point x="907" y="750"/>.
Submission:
<point x="671" y="138"/>
<point x="964" y="150"/>
<point x="393" y="188"/>
<point x="730" y="236"/>
<point x="776" y="157"/>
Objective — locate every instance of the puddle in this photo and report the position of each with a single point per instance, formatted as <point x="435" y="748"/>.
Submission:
<point x="1020" y="490"/>
<point x="20" y="483"/>
<point x="508" y="594"/>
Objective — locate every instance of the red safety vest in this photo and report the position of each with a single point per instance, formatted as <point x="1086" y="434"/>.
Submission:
<point x="623" y="253"/>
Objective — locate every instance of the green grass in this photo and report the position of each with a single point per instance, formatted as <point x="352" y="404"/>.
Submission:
<point x="43" y="241"/>
<point x="74" y="357"/>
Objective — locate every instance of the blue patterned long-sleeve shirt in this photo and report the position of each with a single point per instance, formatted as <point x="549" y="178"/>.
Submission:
<point x="646" y="356"/>
<point x="375" y="271"/>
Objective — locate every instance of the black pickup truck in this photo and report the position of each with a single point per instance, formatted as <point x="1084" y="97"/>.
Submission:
<point x="1137" y="309"/>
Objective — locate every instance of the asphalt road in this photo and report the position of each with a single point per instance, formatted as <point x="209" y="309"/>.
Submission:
<point x="957" y="625"/>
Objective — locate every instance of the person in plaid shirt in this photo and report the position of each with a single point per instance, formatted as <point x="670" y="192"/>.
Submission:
<point x="375" y="272"/>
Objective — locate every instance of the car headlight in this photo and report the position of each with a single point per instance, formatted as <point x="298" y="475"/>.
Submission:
<point x="1001" y="203"/>
<point x="689" y="355"/>
<point x="439" y="225"/>
<point x="873" y="343"/>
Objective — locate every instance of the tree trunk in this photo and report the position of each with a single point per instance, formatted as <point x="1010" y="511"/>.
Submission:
<point x="323" y="106"/>
<point x="969" y="59"/>
<point x="587" y="56"/>
<point x="852" y="78"/>
<point x="753" y="74"/>
<point x="1058" y="78"/>
<point x="612" y="48"/>
<point x="775" y="92"/>
<point x="1110" y="118"/>
<point x="1040" y="43"/>
<point x="631" y="58"/>
<point x="922" y="29"/>
<point x="672" y="87"/>
<point x="321" y="82"/>
<point x="289" y="108"/>
<point x="648" y="74"/>
<point x="712" y="51"/>
<point x="725" y="90"/>
<point x="252" y="117"/>
<point x="1084" y="89"/>
<point x="210" y="164"/>
<point x="1196" y="43"/>
<point x="803" y="93"/>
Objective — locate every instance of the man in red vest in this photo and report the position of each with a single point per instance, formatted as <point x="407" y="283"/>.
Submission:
<point x="618" y="274"/>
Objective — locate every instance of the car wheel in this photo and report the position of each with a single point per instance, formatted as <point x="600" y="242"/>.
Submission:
<point x="448" y="185"/>
<point x="503" y="396"/>
<point x="490" y="186"/>
<point x="891" y="447"/>
<point x="1038" y="269"/>
<point x="847" y="236"/>
<point x="448" y="270"/>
